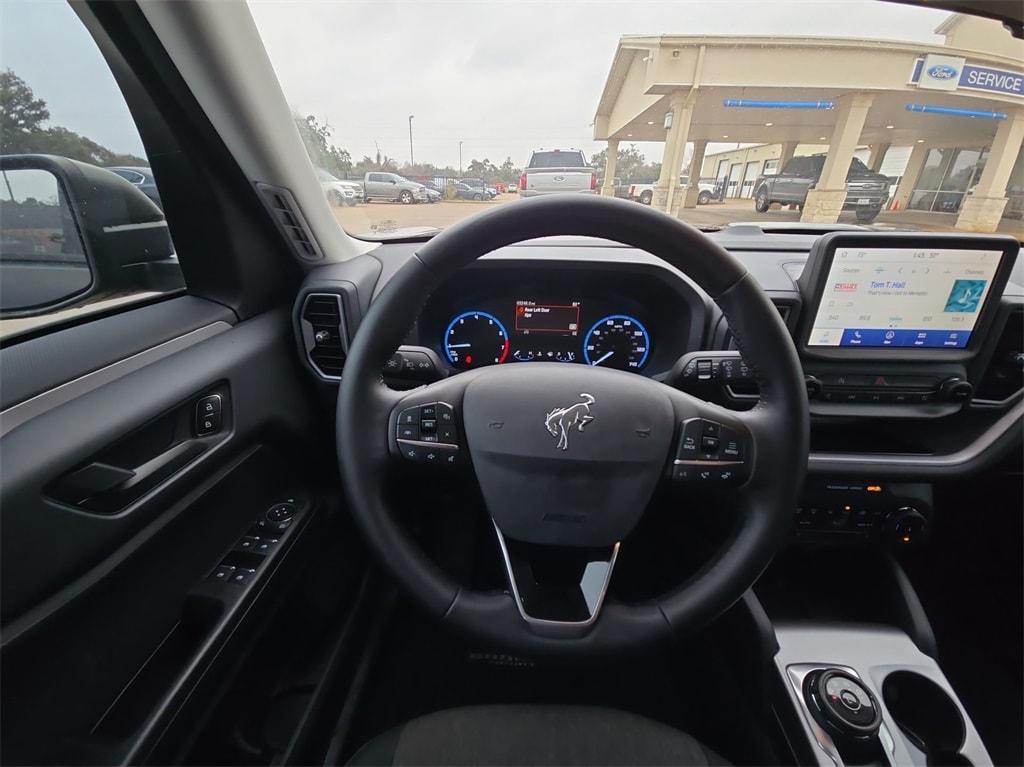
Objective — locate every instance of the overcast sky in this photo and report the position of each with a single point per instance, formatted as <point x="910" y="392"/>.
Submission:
<point x="504" y="78"/>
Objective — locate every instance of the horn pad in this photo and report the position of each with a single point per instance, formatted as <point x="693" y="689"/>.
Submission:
<point x="565" y="454"/>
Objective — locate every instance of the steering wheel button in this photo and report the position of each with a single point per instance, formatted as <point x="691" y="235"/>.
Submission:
<point x="731" y="444"/>
<point x="408" y="432"/>
<point x="428" y="424"/>
<point x="446" y="433"/>
<point x="710" y="428"/>
<point x="428" y="411"/>
<point x="429" y="437"/>
<point x="709" y="444"/>
<point x="689" y="442"/>
<point x="409" y="416"/>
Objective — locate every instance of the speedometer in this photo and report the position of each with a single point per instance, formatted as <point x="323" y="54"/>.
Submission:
<point x="474" y="339"/>
<point x="617" y="341"/>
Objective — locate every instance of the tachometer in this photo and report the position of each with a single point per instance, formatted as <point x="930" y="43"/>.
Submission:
<point x="617" y="341"/>
<point x="474" y="339"/>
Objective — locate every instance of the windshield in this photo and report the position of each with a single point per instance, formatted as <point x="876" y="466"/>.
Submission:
<point x="712" y="112"/>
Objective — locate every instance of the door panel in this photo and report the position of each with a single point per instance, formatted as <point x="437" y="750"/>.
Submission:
<point x="108" y="611"/>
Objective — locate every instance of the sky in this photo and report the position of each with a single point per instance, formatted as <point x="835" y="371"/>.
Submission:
<point x="47" y="46"/>
<point x="504" y="78"/>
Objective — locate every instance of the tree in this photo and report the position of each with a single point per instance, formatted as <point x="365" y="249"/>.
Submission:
<point x="21" y="129"/>
<point x="630" y="164"/>
<point x="322" y="152"/>
<point x="508" y="172"/>
<point x="21" y="113"/>
<point x="482" y="169"/>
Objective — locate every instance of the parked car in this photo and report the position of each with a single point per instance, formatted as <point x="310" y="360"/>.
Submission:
<point x="142" y="178"/>
<point x="355" y="186"/>
<point x="434" y="192"/>
<point x="644" y="193"/>
<point x="338" y="192"/>
<point x="488" y="191"/>
<point x="619" y="187"/>
<point x="379" y="185"/>
<point x="867" y="190"/>
<point x="555" y="171"/>
<point x="464" y="191"/>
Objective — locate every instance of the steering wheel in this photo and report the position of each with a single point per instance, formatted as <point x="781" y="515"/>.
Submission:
<point x="567" y="456"/>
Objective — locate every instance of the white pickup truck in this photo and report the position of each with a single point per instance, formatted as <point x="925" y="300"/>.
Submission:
<point x="645" y="192"/>
<point x="553" y="171"/>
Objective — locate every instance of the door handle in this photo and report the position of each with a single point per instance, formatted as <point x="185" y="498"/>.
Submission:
<point x="104" y="487"/>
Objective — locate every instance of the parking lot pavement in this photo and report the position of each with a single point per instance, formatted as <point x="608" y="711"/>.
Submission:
<point x="366" y="219"/>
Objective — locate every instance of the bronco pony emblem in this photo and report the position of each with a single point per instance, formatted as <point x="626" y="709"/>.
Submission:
<point x="560" y="420"/>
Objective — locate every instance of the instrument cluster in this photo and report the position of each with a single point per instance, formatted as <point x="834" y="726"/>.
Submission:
<point x="497" y="314"/>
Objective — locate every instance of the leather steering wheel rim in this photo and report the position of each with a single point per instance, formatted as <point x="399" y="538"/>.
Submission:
<point x="779" y="424"/>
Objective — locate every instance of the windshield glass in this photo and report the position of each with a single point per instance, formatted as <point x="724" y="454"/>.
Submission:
<point x="874" y="114"/>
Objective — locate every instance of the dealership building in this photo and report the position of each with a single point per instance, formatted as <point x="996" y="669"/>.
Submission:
<point x="946" y="120"/>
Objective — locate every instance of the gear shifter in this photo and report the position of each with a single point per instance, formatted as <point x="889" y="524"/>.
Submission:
<point x="842" y="705"/>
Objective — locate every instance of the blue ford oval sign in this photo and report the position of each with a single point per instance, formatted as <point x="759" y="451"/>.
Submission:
<point x="942" y="72"/>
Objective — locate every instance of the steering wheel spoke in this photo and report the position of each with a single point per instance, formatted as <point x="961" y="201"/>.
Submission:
<point x="559" y="591"/>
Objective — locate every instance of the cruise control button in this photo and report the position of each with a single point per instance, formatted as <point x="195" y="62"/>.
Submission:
<point x="445" y="414"/>
<point x="410" y="415"/>
<point x="447" y="433"/>
<point x="428" y="425"/>
<point x="428" y="411"/>
<point x="408" y="432"/>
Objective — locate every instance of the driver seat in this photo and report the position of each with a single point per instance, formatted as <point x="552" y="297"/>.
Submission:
<point x="534" y="735"/>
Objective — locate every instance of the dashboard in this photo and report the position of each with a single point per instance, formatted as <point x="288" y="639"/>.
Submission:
<point x="911" y="344"/>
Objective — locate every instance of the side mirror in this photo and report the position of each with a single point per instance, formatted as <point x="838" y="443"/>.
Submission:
<point x="68" y="228"/>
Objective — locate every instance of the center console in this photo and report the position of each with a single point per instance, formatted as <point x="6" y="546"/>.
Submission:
<point x="866" y="695"/>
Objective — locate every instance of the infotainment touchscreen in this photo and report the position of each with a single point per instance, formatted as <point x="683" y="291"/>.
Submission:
<point x="903" y="297"/>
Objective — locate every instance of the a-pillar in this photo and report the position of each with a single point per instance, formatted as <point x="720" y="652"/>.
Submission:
<point x="877" y="155"/>
<point x="824" y="203"/>
<point x="692" y="191"/>
<point x="981" y="211"/>
<point x="675" y="144"/>
<point x="608" y="187"/>
<point x="915" y="163"/>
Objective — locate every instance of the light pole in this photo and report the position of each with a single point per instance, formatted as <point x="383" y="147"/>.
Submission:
<point x="411" y="160"/>
<point x="460" y="158"/>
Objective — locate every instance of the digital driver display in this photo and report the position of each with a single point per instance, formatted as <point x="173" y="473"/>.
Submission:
<point x="532" y="317"/>
<point x="903" y="297"/>
<point x="542" y="330"/>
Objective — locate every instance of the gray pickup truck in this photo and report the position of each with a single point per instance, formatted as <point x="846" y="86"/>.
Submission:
<point x="393" y="188"/>
<point x="555" y="171"/>
<point x="866" y="190"/>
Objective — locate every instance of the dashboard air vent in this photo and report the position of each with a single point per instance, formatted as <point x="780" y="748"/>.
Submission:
<point x="1005" y="374"/>
<point x="323" y="334"/>
<point x="290" y="221"/>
